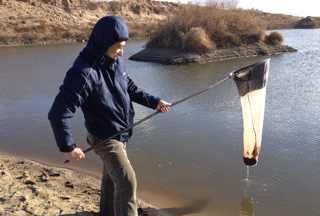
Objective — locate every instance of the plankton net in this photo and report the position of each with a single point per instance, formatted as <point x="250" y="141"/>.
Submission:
<point x="251" y="83"/>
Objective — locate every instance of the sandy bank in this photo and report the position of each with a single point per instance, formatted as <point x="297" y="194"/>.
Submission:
<point x="31" y="188"/>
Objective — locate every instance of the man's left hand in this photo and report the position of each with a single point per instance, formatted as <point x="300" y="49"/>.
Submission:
<point x="163" y="106"/>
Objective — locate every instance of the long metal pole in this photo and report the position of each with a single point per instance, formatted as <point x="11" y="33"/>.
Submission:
<point x="230" y="75"/>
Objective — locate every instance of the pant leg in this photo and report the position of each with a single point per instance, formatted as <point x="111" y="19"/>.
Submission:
<point x="122" y="175"/>
<point x="107" y="191"/>
<point x="107" y="188"/>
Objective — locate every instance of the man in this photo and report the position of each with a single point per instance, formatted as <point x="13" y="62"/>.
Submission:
<point x="98" y="84"/>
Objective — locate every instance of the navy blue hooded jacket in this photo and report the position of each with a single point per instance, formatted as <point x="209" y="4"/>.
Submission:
<point x="100" y="86"/>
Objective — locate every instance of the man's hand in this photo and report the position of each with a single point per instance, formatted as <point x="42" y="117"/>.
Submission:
<point x="163" y="106"/>
<point x="76" y="154"/>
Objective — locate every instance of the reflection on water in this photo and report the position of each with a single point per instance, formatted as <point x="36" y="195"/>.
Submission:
<point x="193" y="207"/>
<point x="247" y="206"/>
<point x="195" y="151"/>
<point x="247" y="199"/>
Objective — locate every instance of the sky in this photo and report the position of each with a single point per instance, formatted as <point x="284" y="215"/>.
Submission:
<point x="291" y="7"/>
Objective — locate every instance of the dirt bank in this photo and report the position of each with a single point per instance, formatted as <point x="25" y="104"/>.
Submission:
<point x="31" y="188"/>
<point x="61" y="21"/>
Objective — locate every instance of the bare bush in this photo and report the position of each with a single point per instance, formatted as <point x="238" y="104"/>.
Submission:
<point x="225" y="27"/>
<point x="4" y="39"/>
<point x="197" y="40"/>
<point x="92" y="6"/>
<point x="274" y="39"/>
<point x="168" y="36"/>
<point x="28" y="38"/>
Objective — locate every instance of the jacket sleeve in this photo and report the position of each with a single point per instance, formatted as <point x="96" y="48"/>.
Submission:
<point x="141" y="97"/>
<point x="73" y="92"/>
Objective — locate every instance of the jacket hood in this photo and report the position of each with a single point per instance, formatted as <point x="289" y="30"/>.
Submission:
<point x="107" y="31"/>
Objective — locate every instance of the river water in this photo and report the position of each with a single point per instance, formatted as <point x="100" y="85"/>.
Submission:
<point x="187" y="161"/>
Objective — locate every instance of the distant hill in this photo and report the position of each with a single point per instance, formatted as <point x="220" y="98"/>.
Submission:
<point x="276" y="21"/>
<point x="308" y="23"/>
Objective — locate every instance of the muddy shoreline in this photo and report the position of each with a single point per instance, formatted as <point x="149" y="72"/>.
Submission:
<point x="175" y="57"/>
<point x="33" y="188"/>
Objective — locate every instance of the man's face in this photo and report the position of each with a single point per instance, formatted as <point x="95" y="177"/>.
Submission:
<point x="116" y="50"/>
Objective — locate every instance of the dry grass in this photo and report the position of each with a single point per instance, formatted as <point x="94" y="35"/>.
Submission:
<point x="275" y="21"/>
<point x="167" y="36"/>
<point x="274" y="39"/>
<point x="224" y="27"/>
<point x="50" y="21"/>
<point x="197" y="40"/>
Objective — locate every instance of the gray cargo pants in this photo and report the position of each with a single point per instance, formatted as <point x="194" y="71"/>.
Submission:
<point x="119" y="184"/>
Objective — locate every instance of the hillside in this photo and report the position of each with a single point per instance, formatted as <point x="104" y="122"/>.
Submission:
<point x="62" y="21"/>
<point x="59" y="21"/>
<point x="276" y="21"/>
<point x="308" y="23"/>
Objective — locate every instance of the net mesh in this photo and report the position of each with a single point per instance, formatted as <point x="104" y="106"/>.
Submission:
<point x="252" y="89"/>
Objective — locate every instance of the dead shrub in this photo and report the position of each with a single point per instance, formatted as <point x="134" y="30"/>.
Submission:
<point x="141" y="30"/>
<point x="66" y="5"/>
<point x="254" y="37"/>
<point x="274" y="39"/>
<point x="28" y="38"/>
<point x="197" y="40"/>
<point x="160" y="10"/>
<point x="79" y="37"/>
<point x="115" y="6"/>
<point x="33" y="27"/>
<point x="3" y="39"/>
<point x="135" y="8"/>
<point x="92" y="5"/>
<point x="168" y="36"/>
<point x="66" y="35"/>
<point x="225" y="28"/>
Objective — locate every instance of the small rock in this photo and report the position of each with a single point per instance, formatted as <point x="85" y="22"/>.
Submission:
<point x="24" y="175"/>
<point x="29" y="182"/>
<point x="43" y="177"/>
<point x="22" y="199"/>
<point x="64" y="198"/>
<point x="90" y="192"/>
<point x="3" y="173"/>
<point x="2" y="199"/>
<point x="33" y="190"/>
<point x="68" y="184"/>
<point x="52" y="172"/>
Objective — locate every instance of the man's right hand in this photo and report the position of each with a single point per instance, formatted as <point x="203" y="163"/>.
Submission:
<point x="76" y="154"/>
